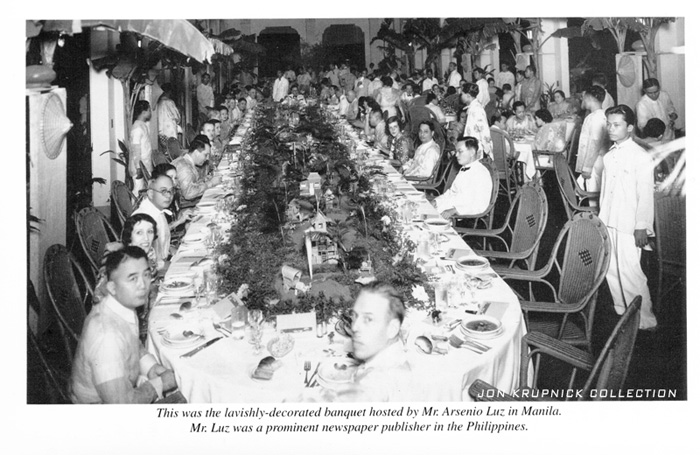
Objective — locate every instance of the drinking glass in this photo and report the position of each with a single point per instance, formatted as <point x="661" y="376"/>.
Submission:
<point x="256" y="318"/>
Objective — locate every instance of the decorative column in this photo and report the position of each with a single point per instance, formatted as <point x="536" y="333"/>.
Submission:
<point x="554" y="56"/>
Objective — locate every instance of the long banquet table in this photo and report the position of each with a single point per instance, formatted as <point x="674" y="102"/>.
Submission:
<point x="222" y="372"/>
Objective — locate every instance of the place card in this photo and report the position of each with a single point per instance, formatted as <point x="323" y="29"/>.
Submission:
<point x="297" y="323"/>
<point x="496" y="309"/>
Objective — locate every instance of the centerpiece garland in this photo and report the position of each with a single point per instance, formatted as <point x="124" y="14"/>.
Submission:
<point x="284" y="145"/>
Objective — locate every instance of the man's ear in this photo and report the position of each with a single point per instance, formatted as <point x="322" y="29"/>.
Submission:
<point x="111" y="288"/>
<point x="394" y="328"/>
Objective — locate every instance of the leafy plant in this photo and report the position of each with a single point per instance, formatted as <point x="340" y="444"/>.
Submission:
<point x="122" y="158"/>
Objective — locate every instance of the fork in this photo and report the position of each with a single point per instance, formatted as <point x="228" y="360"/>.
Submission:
<point x="307" y="368"/>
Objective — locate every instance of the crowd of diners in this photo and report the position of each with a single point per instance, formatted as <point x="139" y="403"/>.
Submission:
<point x="111" y="364"/>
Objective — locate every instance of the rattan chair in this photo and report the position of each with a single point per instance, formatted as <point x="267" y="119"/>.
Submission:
<point x="571" y="277"/>
<point x="607" y="372"/>
<point x="575" y="199"/>
<point x="571" y="148"/>
<point x="505" y="165"/>
<point x="94" y="232"/>
<point x="669" y="220"/>
<point x="69" y="292"/>
<point x="521" y="232"/>
<point x="484" y="218"/>
<point x="123" y="200"/>
<point x="54" y="384"/>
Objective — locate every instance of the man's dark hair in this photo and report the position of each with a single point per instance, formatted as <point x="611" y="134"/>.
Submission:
<point x="544" y="115"/>
<point x="596" y="92"/>
<point x="141" y="107"/>
<point x="517" y="104"/>
<point x="655" y="127"/>
<point x="624" y="110"/>
<point x="114" y="259"/>
<point x="429" y="123"/>
<point x="199" y="142"/>
<point x="649" y="83"/>
<point x="162" y="169"/>
<point x="507" y="87"/>
<point x="469" y="141"/>
<point x="471" y="89"/>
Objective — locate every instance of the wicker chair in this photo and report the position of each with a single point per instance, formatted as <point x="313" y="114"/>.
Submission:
<point x="484" y="218"/>
<point x="505" y="165"/>
<point x="54" y="384"/>
<point x="669" y="218"/>
<point x="570" y="150"/>
<point x="70" y="294"/>
<point x="572" y="274"/>
<point x="524" y="229"/>
<point x="573" y="196"/>
<point x="94" y="232"/>
<point x="123" y="200"/>
<point x="607" y="372"/>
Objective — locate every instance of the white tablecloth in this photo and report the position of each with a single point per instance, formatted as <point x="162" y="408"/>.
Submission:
<point x="222" y="372"/>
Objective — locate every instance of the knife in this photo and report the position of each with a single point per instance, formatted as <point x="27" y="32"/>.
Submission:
<point x="199" y="348"/>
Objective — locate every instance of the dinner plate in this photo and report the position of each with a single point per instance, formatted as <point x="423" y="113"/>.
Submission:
<point x="482" y="327"/>
<point x="175" y="335"/>
<point x="472" y="263"/>
<point x="178" y="284"/>
<point x="336" y="372"/>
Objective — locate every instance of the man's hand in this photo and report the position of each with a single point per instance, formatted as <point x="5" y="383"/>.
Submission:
<point x="640" y="238"/>
<point x="184" y="217"/>
<point x="586" y="175"/>
<point x="169" y="382"/>
<point x="673" y="116"/>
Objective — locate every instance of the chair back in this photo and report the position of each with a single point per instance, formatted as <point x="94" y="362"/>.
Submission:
<point x="503" y="149"/>
<point x="584" y="260"/>
<point x="530" y="221"/>
<point x="94" y="232"/>
<point x="669" y="220"/>
<point x="572" y="149"/>
<point x="420" y="101"/>
<point x="418" y="114"/>
<point x="610" y="369"/>
<point x="565" y="180"/>
<point x="123" y="199"/>
<point x="70" y="295"/>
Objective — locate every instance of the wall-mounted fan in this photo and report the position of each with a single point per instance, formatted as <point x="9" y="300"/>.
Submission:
<point x="626" y="71"/>
<point x="53" y="126"/>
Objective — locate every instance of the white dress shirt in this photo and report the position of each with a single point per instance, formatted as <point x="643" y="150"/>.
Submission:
<point x="470" y="192"/>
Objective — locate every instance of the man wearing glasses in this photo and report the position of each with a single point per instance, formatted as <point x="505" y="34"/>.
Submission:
<point x="192" y="185"/>
<point x="158" y="198"/>
<point x="656" y="104"/>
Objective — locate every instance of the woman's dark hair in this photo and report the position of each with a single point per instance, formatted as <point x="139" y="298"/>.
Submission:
<point x="391" y="120"/>
<point x="387" y="81"/>
<point x="132" y="221"/>
<point x="430" y="97"/>
<point x="561" y="92"/>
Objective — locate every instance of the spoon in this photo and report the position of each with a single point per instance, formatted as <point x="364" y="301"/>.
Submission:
<point x="185" y="306"/>
<point x="424" y="344"/>
<point x="176" y="315"/>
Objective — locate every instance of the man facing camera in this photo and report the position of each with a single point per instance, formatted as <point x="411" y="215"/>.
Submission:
<point x="192" y="186"/>
<point x="111" y="365"/>
<point x="470" y="192"/>
<point x="384" y="374"/>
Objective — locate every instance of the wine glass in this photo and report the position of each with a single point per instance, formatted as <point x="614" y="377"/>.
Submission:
<point x="198" y="286"/>
<point x="256" y="318"/>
